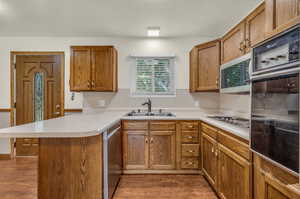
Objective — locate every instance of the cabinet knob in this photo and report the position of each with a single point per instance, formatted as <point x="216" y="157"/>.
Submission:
<point x="89" y="84"/>
<point x="151" y="140"/>
<point x="189" y="163"/>
<point x="93" y="83"/>
<point x="190" y="151"/>
<point x="212" y="149"/>
<point x="146" y="140"/>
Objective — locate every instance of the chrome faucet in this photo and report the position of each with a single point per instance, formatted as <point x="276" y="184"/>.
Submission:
<point x="149" y="104"/>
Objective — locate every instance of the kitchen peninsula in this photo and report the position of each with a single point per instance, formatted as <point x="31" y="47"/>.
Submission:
<point x="71" y="149"/>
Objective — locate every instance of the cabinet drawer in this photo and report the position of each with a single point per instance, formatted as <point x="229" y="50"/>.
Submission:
<point x="190" y="150"/>
<point x="189" y="136"/>
<point x="235" y="145"/>
<point x="162" y="126"/>
<point x="189" y="163"/>
<point x="189" y="125"/>
<point x="210" y="131"/>
<point x="135" y="125"/>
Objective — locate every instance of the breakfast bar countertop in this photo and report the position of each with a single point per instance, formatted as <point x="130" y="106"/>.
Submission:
<point x="91" y="124"/>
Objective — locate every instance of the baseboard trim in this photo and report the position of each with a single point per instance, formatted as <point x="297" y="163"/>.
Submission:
<point x="193" y="172"/>
<point x="5" y="157"/>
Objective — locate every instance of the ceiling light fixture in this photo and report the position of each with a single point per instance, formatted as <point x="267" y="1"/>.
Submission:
<point x="153" y="31"/>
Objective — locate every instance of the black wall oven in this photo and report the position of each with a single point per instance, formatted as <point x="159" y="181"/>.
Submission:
<point x="275" y="100"/>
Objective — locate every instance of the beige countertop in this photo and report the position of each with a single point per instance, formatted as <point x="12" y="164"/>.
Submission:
<point x="84" y="125"/>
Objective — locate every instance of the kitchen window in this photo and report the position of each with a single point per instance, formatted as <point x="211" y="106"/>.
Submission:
<point x="153" y="77"/>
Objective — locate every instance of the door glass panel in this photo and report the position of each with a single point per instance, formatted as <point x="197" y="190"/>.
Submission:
<point x="38" y="96"/>
<point x="275" y="119"/>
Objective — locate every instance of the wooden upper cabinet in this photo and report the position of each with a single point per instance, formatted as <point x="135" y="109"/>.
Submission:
<point x="281" y="14"/>
<point x="255" y="27"/>
<point x="162" y="150"/>
<point x="234" y="175"/>
<point x="81" y="71"/>
<point x="93" y="68"/>
<point x="204" y="67"/>
<point x="233" y="43"/>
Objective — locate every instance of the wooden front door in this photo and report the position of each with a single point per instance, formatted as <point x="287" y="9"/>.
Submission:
<point x="38" y="94"/>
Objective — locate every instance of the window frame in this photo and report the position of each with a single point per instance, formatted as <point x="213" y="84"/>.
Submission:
<point x="133" y="76"/>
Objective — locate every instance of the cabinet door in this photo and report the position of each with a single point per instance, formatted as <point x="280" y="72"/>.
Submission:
<point x="209" y="159"/>
<point x="275" y="189"/>
<point x="104" y="69"/>
<point x="162" y="150"/>
<point x="193" y="70"/>
<point x="282" y="14"/>
<point x="135" y="149"/>
<point x="208" y="66"/>
<point x="233" y="43"/>
<point x="255" y="27"/>
<point x="234" y="175"/>
<point x="80" y="78"/>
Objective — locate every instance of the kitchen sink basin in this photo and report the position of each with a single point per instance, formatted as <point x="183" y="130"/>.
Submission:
<point x="143" y="114"/>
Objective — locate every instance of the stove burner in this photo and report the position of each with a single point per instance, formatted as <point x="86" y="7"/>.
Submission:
<point x="237" y="121"/>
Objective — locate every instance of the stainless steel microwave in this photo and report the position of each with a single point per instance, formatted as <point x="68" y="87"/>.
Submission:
<point x="234" y="75"/>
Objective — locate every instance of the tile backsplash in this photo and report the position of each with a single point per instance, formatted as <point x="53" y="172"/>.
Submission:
<point x="184" y="100"/>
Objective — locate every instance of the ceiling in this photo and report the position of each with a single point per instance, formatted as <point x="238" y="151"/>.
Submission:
<point x="130" y="18"/>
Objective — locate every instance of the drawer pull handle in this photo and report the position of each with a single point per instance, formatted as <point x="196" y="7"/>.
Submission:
<point x="212" y="150"/>
<point x="189" y="163"/>
<point x="189" y="137"/>
<point x="26" y="145"/>
<point x="191" y="151"/>
<point x="190" y="126"/>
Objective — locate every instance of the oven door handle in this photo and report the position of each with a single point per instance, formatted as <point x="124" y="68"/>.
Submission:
<point x="276" y="74"/>
<point x="286" y="130"/>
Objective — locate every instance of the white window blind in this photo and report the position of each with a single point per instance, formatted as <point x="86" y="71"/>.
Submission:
<point x="154" y="76"/>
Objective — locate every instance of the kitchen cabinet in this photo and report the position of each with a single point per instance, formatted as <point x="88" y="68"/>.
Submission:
<point x="255" y="27"/>
<point x="234" y="175"/>
<point x="204" y="67"/>
<point x="281" y="15"/>
<point x="93" y="68"/>
<point x="188" y="145"/>
<point x="136" y="149"/>
<point x="149" y="145"/>
<point x="226" y="163"/>
<point x="233" y="43"/>
<point x="249" y="32"/>
<point x="154" y="146"/>
<point x="209" y="159"/>
<point x="162" y="150"/>
<point x="271" y="181"/>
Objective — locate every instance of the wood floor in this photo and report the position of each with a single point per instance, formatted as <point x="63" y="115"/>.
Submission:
<point x="18" y="180"/>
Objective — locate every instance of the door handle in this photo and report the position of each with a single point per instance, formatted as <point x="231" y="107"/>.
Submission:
<point x="57" y="113"/>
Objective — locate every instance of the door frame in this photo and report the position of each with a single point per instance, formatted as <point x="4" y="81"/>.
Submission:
<point x="13" y="55"/>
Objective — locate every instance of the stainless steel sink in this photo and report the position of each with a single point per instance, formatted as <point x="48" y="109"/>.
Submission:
<point x="159" y="113"/>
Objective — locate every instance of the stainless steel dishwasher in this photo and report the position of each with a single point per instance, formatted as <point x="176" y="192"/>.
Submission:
<point x="112" y="160"/>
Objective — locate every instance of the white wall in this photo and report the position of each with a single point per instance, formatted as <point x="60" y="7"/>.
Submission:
<point x="126" y="46"/>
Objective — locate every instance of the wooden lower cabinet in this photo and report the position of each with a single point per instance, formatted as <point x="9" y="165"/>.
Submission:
<point x="234" y="175"/>
<point x="209" y="159"/>
<point x="162" y="150"/>
<point x="156" y="146"/>
<point x="225" y="163"/>
<point x="272" y="182"/>
<point x="135" y="149"/>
